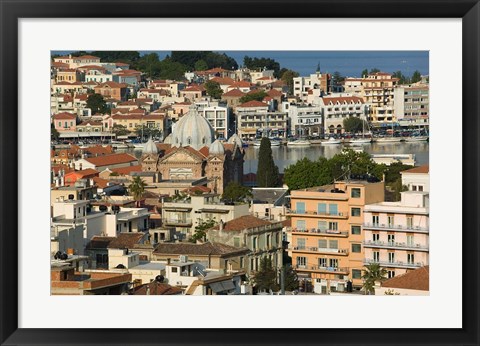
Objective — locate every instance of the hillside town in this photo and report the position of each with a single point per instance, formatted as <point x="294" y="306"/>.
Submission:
<point x="150" y="194"/>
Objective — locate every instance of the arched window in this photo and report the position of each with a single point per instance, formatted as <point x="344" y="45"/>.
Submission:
<point x="204" y="140"/>
<point x="189" y="140"/>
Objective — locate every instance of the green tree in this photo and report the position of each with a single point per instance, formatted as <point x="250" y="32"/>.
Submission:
<point x="287" y="77"/>
<point x="291" y="278"/>
<point x="137" y="188"/>
<point x="236" y="192"/>
<point x="120" y="130"/>
<point x="373" y="273"/>
<point x="201" y="229"/>
<point x="256" y="96"/>
<point x="416" y="77"/>
<point x="305" y="173"/>
<point x="353" y="163"/>
<point x="401" y="78"/>
<point x="212" y="59"/>
<point x="97" y="104"/>
<point x="201" y="65"/>
<point x="261" y="63"/>
<point x="353" y="124"/>
<point x="374" y="70"/>
<point x="213" y="89"/>
<point x="266" y="277"/>
<point x="267" y="172"/>
<point x="148" y="132"/>
<point x="337" y="78"/>
<point x="54" y="135"/>
<point x="364" y="73"/>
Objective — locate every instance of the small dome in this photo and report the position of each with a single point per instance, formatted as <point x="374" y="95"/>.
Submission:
<point x="168" y="139"/>
<point x="192" y="130"/>
<point x="150" y="147"/>
<point x="235" y="139"/>
<point x="216" y="148"/>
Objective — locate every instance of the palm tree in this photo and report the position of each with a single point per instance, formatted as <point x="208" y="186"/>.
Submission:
<point x="373" y="273"/>
<point x="137" y="188"/>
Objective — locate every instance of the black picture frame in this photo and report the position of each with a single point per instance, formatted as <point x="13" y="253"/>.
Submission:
<point x="12" y="11"/>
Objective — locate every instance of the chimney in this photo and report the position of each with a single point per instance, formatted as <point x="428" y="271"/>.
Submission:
<point x="80" y="166"/>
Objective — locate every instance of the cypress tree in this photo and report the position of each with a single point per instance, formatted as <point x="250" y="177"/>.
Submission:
<point x="267" y="172"/>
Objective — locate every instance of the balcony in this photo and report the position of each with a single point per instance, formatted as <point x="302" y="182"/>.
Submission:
<point x="321" y="269"/>
<point x="318" y="231"/>
<point x="398" y="228"/>
<point x="340" y="252"/>
<point x="395" y="245"/>
<point x="395" y="264"/>
<point x="176" y="222"/>
<point x="311" y="213"/>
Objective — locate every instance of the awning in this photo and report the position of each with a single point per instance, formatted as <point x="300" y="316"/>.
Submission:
<point x="219" y="211"/>
<point x="222" y="286"/>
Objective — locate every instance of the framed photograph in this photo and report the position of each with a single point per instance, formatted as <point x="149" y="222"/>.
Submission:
<point x="331" y="54"/>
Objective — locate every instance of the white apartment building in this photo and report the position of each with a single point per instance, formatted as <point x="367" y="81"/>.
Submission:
<point x="218" y="116"/>
<point x="396" y="234"/>
<point x="255" y="117"/>
<point x="304" y="120"/>
<point x="337" y="108"/>
<point x="417" y="178"/>
<point x="317" y="80"/>
<point x="98" y="76"/>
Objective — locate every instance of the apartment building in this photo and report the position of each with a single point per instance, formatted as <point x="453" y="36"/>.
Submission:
<point x="317" y="80"/>
<point x="218" y="117"/>
<point x="337" y="108"/>
<point x="327" y="232"/>
<point x="305" y="120"/>
<point x="377" y="90"/>
<point x="412" y="101"/>
<point x="184" y="213"/>
<point x="396" y="234"/>
<point x="417" y="178"/>
<point x="255" y="117"/>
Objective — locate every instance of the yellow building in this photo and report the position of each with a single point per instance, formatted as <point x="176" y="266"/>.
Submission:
<point x="327" y="235"/>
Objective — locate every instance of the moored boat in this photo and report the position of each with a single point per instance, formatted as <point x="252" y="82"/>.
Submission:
<point x="299" y="143"/>
<point x="331" y="141"/>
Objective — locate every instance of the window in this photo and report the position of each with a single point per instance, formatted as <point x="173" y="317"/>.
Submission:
<point x="174" y="269"/>
<point x="333" y="226"/>
<point x="242" y="264"/>
<point x="376" y="256"/>
<point x="409" y="221"/>
<point x="333" y="209"/>
<point x="301" y="262"/>
<point x="333" y="244"/>
<point x="355" y="211"/>
<point x="301" y="207"/>
<point x="356" y="230"/>
<point x="251" y="264"/>
<point x="391" y="239"/>
<point x="333" y="262"/>
<point x="375" y="219"/>
<point x="410" y="258"/>
<point x="254" y="243"/>
<point x="322" y="262"/>
<point x="356" y="274"/>
<point x="236" y="241"/>
<point x="391" y="274"/>
<point x="301" y="224"/>
<point x="410" y="240"/>
<point x="321" y="208"/>
<point x="357" y="248"/>
<point x="269" y="240"/>
<point x="355" y="192"/>
<point x="300" y="243"/>
<point x="322" y="243"/>
<point x="322" y="225"/>
<point x="391" y="257"/>
<point x="420" y="188"/>
<point x="390" y="220"/>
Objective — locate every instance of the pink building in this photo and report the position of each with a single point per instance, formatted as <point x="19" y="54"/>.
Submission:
<point x="396" y="234"/>
<point x="65" y="122"/>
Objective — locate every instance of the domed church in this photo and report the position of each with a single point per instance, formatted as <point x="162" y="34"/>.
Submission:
<point x="191" y="152"/>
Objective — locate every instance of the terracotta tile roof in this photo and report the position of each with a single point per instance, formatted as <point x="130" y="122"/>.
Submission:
<point x="274" y="93"/>
<point x="156" y="289"/>
<point x="279" y="83"/>
<point x="57" y="168"/>
<point x="98" y="242"/>
<point x="121" y="64"/>
<point x="244" y="222"/>
<point x="287" y="223"/>
<point x="155" y="91"/>
<point x="206" y="249"/>
<point x="126" y="240"/>
<point x="181" y="104"/>
<point x="216" y="70"/>
<point x="223" y="81"/>
<point x="81" y="97"/>
<point x="205" y="151"/>
<point x="419" y="169"/>
<point x="64" y="115"/>
<point x="101" y="183"/>
<point x="85" y="57"/>
<point x="67" y="70"/>
<point x="127" y="170"/>
<point x="111" y="85"/>
<point x="199" y="188"/>
<point x="111" y="159"/>
<point x="234" y="93"/>
<point x="241" y="84"/>
<point x="59" y="64"/>
<point x="346" y="99"/>
<point x="89" y="172"/>
<point x="418" y="279"/>
<point x="194" y="88"/>
<point x="119" y="110"/>
<point x="252" y="104"/>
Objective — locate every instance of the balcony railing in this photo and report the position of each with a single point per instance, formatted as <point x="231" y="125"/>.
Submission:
<point x="395" y="245"/>
<point x="343" y="252"/>
<point x="316" y="213"/>
<point x="322" y="269"/>
<point x="395" y="264"/>
<point x="321" y="231"/>
<point x="183" y="222"/>
<point x="392" y="227"/>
